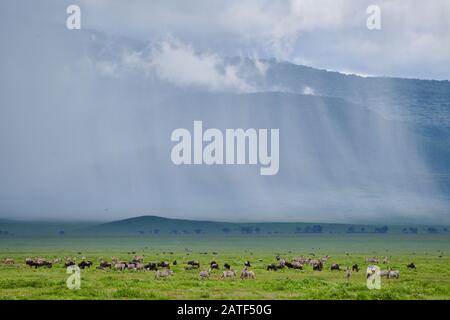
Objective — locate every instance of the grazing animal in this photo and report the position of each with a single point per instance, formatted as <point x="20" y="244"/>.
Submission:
<point x="247" y="264"/>
<point x="355" y="268"/>
<point x="104" y="265"/>
<point x="272" y="266"/>
<point x="411" y="265"/>
<point x="372" y="260"/>
<point x="194" y="264"/>
<point x="317" y="265"/>
<point x="348" y="274"/>
<point x="228" y="274"/>
<point x="334" y="266"/>
<point x="159" y="274"/>
<point x="393" y="274"/>
<point x="151" y="266"/>
<point x="227" y="266"/>
<point x="138" y="259"/>
<point x="120" y="266"/>
<point x="205" y="274"/>
<point x="385" y="260"/>
<point x="214" y="265"/>
<point x="384" y="273"/>
<point x="302" y="259"/>
<point x="247" y="274"/>
<point x="8" y="261"/>
<point x="297" y="265"/>
<point x="174" y="262"/>
<point x="83" y="264"/>
<point x="39" y="263"/>
<point x="69" y="263"/>
<point x="164" y="264"/>
<point x="131" y="266"/>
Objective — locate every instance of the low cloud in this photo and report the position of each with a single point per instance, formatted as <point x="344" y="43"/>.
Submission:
<point x="177" y="63"/>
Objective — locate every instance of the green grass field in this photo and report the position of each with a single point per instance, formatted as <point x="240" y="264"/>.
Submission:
<point x="431" y="279"/>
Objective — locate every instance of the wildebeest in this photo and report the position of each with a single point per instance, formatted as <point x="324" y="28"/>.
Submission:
<point x="355" y="268"/>
<point x="411" y="265"/>
<point x="214" y="265"/>
<point x="247" y="264"/>
<point x="297" y="265"/>
<point x="272" y="266"/>
<point x="151" y="266"/>
<point x="247" y="274"/>
<point x="317" y="265"/>
<point x="83" y="264"/>
<point x="164" y="264"/>
<point x="335" y="266"/>
<point x="69" y="263"/>
<point x="174" y="262"/>
<point x="159" y="274"/>
<point x="227" y="266"/>
<point x="38" y="263"/>
<point x="103" y="265"/>
<point x="194" y="264"/>
<point x="228" y="274"/>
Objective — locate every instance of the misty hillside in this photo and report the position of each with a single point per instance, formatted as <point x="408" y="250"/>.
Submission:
<point x="85" y="133"/>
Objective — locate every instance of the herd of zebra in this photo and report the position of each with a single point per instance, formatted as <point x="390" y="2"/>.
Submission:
<point x="162" y="269"/>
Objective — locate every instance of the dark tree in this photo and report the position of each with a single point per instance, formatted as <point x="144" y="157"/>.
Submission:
<point x="382" y="229"/>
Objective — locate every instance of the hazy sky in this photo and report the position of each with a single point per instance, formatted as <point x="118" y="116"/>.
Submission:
<point x="414" y="40"/>
<point x="85" y="127"/>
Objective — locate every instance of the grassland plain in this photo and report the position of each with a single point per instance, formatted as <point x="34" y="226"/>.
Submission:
<point x="430" y="253"/>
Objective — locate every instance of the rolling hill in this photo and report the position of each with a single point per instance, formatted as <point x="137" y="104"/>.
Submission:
<point x="154" y="226"/>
